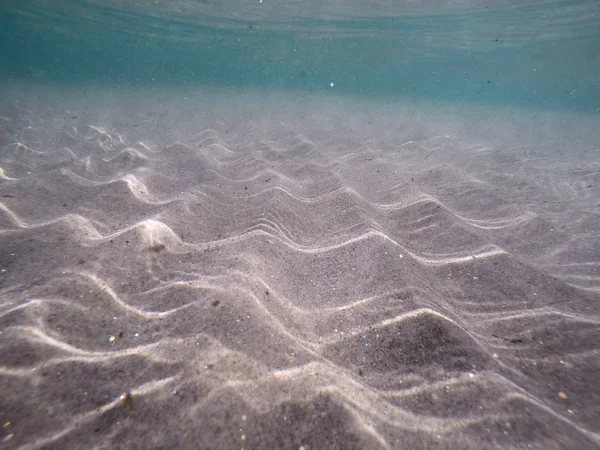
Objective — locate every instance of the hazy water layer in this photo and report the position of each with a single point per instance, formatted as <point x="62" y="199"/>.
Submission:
<point x="542" y="54"/>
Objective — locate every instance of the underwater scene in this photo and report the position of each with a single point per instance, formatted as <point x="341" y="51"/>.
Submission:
<point x="285" y="224"/>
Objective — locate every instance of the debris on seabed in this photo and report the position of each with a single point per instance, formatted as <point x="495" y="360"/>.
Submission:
<point x="127" y="400"/>
<point x="562" y="395"/>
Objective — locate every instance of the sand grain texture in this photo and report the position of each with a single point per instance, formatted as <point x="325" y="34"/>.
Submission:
<point x="282" y="288"/>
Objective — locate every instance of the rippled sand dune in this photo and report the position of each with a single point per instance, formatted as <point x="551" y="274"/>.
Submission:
<point x="203" y="277"/>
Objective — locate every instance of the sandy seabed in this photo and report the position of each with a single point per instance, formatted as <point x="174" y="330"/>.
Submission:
<point x="222" y="270"/>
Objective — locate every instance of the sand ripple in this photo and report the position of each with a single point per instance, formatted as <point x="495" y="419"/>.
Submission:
<point x="285" y="292"/>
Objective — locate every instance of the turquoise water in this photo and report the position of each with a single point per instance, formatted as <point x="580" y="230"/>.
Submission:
<point x="542" y="54"/>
